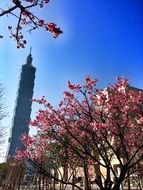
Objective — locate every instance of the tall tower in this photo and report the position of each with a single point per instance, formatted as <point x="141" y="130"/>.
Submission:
<point x="23" y="106"/>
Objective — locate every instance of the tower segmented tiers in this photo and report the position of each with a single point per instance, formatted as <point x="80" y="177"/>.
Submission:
<point x="23" y="106"/>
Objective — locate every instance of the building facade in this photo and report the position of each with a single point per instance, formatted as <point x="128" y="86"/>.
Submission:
<point x="23" y="106"/>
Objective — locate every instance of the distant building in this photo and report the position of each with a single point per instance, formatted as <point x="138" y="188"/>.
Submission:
<point x="135" y="89"/>
<point x="23" y="106"/>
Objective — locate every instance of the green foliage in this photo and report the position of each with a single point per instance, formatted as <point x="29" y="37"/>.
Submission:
<point x="3" y="168"/>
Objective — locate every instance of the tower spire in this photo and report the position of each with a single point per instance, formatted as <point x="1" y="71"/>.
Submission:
<point x="30" y="50"/>
<point x="29" y="58"/>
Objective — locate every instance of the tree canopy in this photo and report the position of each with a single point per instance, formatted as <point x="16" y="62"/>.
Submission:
<point x="101" y="128"/>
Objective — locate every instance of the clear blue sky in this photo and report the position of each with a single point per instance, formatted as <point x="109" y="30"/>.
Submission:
<point x="102" y="38"/>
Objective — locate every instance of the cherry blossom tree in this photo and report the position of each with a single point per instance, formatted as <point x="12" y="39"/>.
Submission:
<point x="100" y="128"/>
<point x="25" y="13"/>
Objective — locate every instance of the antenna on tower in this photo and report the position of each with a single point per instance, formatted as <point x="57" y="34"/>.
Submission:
<point x="29" y="58"/>
<point x="30" y="50"/>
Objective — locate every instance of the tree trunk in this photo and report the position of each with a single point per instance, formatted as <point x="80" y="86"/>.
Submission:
<point x="98" y="178"/>
<point x="128" y="181"/>
<point x="39" y="181"/>
<point x="86" y="179"/>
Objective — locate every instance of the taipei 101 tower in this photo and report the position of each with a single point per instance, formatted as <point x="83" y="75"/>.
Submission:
<point x="23" y="106"/>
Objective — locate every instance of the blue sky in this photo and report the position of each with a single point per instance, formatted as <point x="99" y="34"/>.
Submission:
<point x="102" y="38"/>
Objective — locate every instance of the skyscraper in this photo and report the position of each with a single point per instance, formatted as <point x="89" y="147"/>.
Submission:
<point x="23" y="106"/>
